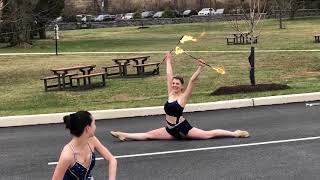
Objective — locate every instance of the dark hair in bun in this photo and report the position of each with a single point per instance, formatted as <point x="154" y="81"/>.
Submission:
<point x="76" y="122"/>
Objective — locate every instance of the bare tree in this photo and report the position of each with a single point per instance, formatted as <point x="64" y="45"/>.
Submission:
<point x="22" y="18"/>
<point x="294" y="6"/>
<point x="248" y="23"/>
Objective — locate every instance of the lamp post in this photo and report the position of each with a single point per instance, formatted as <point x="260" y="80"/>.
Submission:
<point x="56" y="36"/>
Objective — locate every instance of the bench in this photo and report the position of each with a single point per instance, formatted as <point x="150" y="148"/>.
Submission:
<point x="45" y="80"/>
<point x="112" y="67"/>
<point x="89" y="76"/>
<point x="141" y="69"/>
<point x="317" y="38"/>
<point x="231" y="40"/>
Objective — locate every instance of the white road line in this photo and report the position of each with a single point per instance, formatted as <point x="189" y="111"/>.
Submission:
<point x="208" y="148"/>
<point x="157" y="52"/>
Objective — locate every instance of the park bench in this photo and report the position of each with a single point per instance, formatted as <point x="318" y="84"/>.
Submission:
<point x="141" y="69"/>
<point x="55" y="77"/>
<point x="231" y="40"/>
<point x="88" y="77"/>
<point x="317" y="38"/>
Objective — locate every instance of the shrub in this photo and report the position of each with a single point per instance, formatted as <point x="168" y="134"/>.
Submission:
<point x="168" y="13"/>
<point x="137" y="15"/>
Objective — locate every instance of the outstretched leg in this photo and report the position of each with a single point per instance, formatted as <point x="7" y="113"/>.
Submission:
<point x="196" y="133"/>
<point x="159" y="134"/>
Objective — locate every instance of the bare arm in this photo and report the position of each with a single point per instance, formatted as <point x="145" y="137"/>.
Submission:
<point x="187" y="93"/>
<point x="105" y="153"/>
<point x="63" y="164"/>
<point x="169" y="72"/>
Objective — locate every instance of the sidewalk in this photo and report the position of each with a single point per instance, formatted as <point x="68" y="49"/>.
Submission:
<point x="158" y="110"/>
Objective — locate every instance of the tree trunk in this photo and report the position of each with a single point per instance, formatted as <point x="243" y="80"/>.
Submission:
<point x="280" y="20"/>
<point x="251" y="61"/>
<point x="42" y="31"/>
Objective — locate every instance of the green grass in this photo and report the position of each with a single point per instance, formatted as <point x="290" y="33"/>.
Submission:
<point x="22" y="89"/>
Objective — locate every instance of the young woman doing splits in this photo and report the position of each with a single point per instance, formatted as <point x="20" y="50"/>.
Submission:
<point x="177" y="126"/>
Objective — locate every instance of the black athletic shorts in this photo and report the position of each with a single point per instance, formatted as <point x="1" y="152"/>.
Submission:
<point x="180" y="130"/>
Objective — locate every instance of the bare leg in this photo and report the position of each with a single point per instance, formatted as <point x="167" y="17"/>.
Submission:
<point x="196" y="133"/>
<point x="160" y="134"/>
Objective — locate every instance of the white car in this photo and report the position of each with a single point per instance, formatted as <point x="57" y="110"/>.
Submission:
<point x="147" y="14"/>
<point x="128" y="16"/>
<point x="206" y="12"/>
<point x="219" y="11"/>
<point x="158" y="14"/>
<point x="101" y="17"/>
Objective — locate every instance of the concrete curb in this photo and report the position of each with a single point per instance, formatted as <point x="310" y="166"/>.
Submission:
<point x="38" y="119"/>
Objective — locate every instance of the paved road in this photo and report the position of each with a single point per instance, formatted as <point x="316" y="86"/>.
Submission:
<point x="26" y="151"/>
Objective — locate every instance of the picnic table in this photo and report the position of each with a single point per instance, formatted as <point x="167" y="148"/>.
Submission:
<point x="122" y="64"/>
<point x="62" y="72"/>
<point x="241" y="38"/>
<point x="138" y="62"/>
<point x="317" y="38"/>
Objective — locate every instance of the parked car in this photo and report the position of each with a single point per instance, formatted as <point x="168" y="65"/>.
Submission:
<point x="189" y="12"/>
<point x="118" y="17"/>
<point x="158" y="14"/>
<point x="147" y="14"/>
<point x="88" y="18"/>
<point x="128" y="16"/>
<point x="100" y="17"/>
<point x="206" y="12"/>
<point x="219" y="11"/>
<point x="79" y="17"/>
<point x="177" y="13"/>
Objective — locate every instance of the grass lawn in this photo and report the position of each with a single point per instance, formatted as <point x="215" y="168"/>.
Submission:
<point x="22" y="89"/>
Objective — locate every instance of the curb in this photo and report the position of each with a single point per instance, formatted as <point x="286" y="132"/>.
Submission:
<point x="38" y="119"/>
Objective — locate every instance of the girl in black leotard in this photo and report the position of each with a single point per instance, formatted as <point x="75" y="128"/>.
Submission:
<point x="77" y="158"/>
<point x="177" y="126"/>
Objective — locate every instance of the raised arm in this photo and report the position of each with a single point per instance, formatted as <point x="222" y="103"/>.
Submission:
<point x="187" y="93"/>
<point x="105" y="153"/>
<point x="169" y="72"/>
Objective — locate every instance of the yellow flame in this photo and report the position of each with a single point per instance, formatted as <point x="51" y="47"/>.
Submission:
<point x="219" y="70"/>
<point x="187" y="38"/>
<point x="179" y="50"/>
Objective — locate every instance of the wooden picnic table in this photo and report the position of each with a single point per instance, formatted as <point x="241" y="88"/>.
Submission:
<point x="317" y="38"/>
<point x="124" y="62"/>
<point x="61" y="72"/>
<point x="240" y="37"/>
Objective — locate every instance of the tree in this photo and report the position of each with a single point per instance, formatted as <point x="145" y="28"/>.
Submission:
<point x="17" y="21"/>
<point x="45" y="11"/>
<point x="280" y="4"/>
<point x="22" y="18"/>
<point x="294" y="6"/>
<point x="252" y="14"/>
